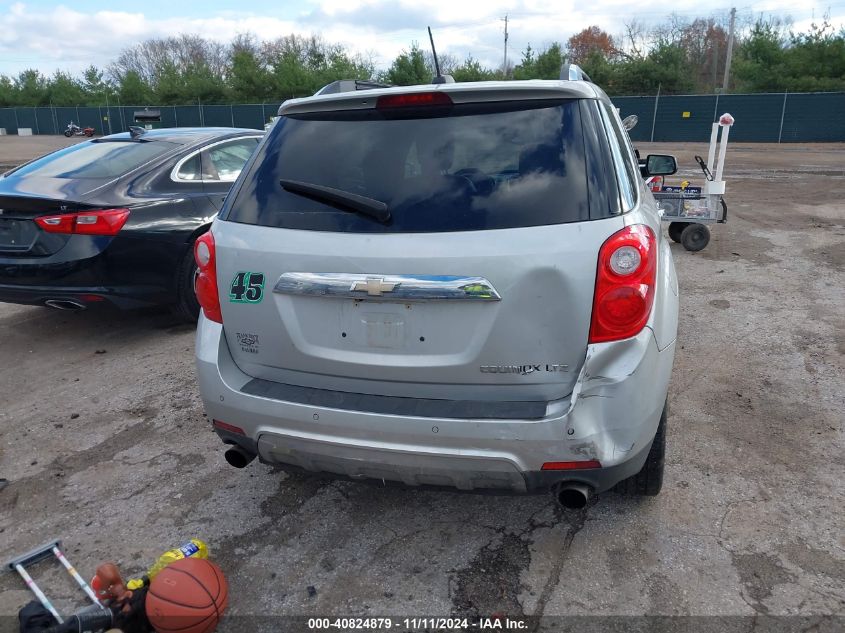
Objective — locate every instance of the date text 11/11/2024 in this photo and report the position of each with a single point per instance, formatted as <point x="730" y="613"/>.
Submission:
<point x="419" y="624"/>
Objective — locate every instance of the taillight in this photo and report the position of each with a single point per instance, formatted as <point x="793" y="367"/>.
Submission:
<point x="205" y="284"/>
<point x="96" y="222"/>
<point x="624" y="284"/>
<point x="655" y="183"/>
<point x="414" y="99"/>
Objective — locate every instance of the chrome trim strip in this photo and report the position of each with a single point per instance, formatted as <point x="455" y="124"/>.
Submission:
<point x="395" y="288"/>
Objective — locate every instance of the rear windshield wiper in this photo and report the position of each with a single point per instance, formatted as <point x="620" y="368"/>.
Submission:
<point x="345" y="200"/>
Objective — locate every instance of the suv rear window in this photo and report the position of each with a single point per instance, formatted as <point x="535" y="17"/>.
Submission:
<point x="96" y="159"/>
<point x="455" y="168"/>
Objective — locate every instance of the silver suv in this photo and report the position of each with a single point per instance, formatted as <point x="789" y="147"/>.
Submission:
<point x="458" y="285"/>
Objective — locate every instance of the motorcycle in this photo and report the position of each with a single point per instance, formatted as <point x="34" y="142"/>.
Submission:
<point x="74" y="130"/>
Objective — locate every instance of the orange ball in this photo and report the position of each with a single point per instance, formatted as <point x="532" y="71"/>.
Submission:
<point x="188" y="596"/>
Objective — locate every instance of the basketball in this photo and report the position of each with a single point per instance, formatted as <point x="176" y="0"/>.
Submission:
<point x="188" y="596"/>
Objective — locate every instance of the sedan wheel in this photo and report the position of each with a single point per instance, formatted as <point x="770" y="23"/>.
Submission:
<point x="187" y="308"/>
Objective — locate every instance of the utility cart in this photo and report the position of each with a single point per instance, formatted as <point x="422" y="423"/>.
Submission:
<point x="689" y="209"/>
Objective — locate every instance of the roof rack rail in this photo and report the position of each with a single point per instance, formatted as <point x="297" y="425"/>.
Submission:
<point x="573" y="72"/>
<point x="350" y="85"/>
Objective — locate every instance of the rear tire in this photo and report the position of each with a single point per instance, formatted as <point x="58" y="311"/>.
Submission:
<point x="649" y="481"/>
<point x="186" y="308"/>
<point x="675" y="230"/>
<point x="695" y="237"/>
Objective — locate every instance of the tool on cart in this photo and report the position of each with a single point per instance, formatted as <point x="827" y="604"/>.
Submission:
<point x="704" y="167"/>
<point x="689" y="209"/>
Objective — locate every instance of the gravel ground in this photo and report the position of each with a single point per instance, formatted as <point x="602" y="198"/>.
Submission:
<point x="105" y="445"/>
<point x="15" y="149"/>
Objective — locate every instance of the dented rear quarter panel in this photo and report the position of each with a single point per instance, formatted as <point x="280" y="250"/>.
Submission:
<point x="618" y="398"/>
<point x="622" y="386"/>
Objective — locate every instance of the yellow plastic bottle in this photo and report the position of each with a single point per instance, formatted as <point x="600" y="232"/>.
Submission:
<point x="194" y="548"/>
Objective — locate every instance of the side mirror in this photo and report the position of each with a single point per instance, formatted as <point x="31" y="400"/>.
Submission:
<point x="630" y="122"/>
<point x="660" y="165"/>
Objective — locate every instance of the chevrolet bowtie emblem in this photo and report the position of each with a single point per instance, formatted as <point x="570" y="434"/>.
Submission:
<point x="374" y="286"/>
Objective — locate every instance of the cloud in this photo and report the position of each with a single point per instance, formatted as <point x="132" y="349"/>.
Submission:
<point x="68" y="39"/>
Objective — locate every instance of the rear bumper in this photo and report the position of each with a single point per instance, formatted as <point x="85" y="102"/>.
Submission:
<point x="127" y="297"/>
<point x="611" y="416"/>
<point x="127" y="272"/>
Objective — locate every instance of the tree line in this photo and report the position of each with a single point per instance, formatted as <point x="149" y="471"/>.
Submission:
<point x="678" y="56"/>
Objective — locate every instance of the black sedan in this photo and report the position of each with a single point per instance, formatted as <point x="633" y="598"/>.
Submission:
<point x="115" y="218"/>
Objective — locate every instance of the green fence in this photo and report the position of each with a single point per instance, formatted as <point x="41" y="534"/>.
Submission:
<point x="113" y="119"/>
<point x="764" y="118"/>
<point x="761" y="118"/>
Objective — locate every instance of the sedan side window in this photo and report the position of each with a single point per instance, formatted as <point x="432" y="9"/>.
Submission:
<point x="224" y="162"/>
<point x="220" y="162"/>
<point x="190" y="169"/>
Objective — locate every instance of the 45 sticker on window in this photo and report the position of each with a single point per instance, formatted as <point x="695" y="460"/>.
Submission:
<point x="247" y="287"/>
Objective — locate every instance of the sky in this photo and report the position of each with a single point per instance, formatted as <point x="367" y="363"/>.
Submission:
<point x="69" y="36"/>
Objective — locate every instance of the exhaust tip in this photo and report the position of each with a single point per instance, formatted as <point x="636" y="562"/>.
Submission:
<point x="65" y="304"/>
<point x="238" y="457"/>
<point x="572" y="496"/>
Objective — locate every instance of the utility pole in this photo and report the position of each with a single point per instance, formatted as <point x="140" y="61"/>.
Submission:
<point x="505" y="62"/>
<point x="108" y="111"/>
<point x="730" y="52"/>
<point x="715" y="65"/>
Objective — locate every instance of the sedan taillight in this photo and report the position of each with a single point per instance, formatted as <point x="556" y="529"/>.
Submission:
<point x="205" y="284"/>
<point x="96" y="222"/>
<point x="625" y="283"/>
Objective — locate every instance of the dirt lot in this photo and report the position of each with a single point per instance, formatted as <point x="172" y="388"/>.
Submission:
<point x="105" y="445"/>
